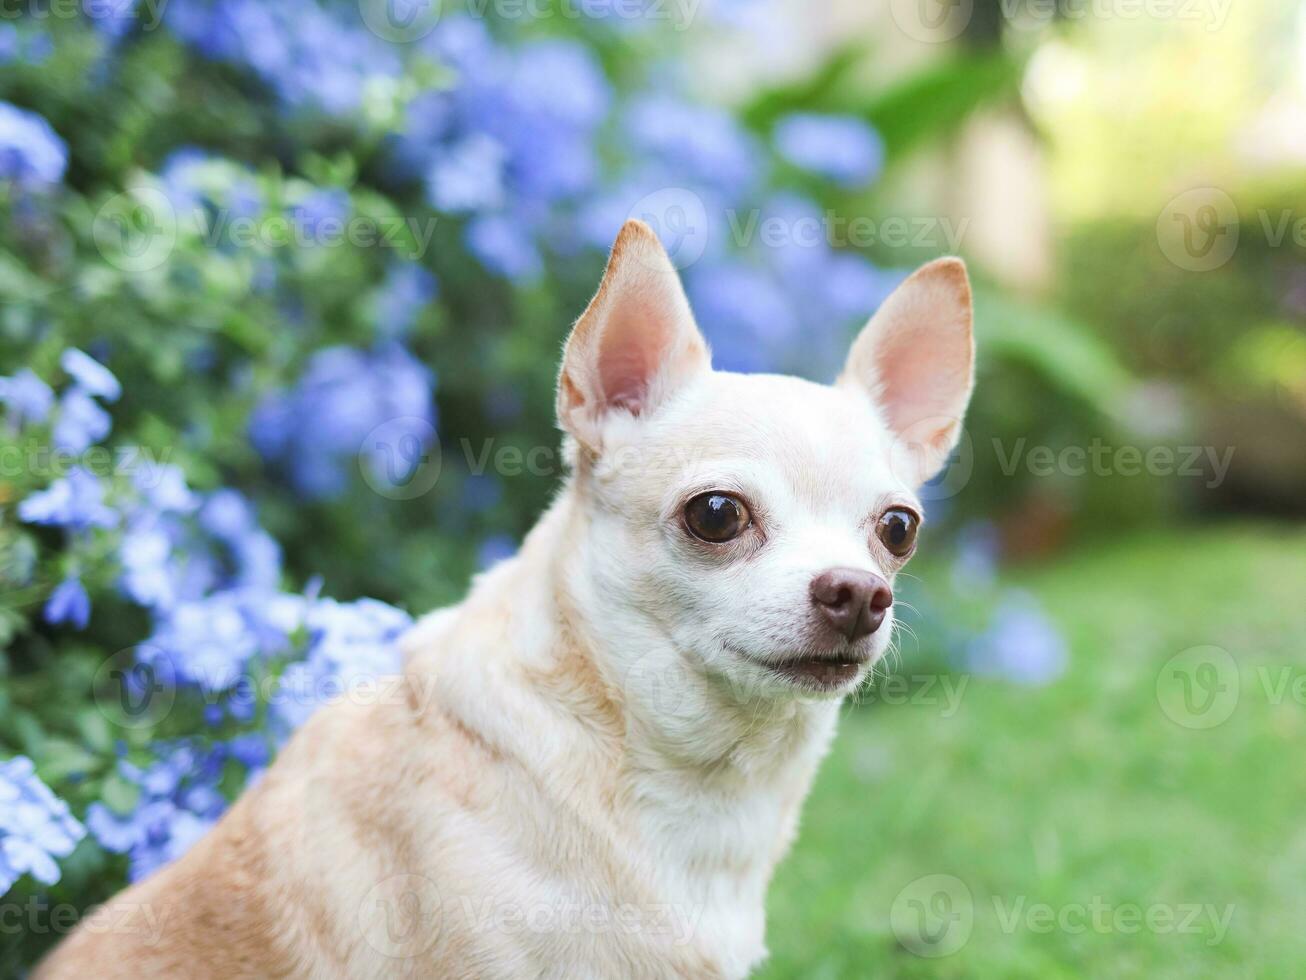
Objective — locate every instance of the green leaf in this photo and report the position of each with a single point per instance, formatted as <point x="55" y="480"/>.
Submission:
<point x="119" y="794"/>
<point x="60" y="758"/>
<point x="1063" y="350"/>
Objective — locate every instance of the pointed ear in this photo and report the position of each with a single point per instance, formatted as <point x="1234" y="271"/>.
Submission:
<point x="915" y="359"/>
<point x="635" y="344"/>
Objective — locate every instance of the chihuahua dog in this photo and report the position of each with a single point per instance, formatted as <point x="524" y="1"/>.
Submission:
<point x="604" y="749"/>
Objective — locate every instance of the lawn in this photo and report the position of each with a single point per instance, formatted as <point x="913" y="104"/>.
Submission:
<point x="1099" y="826"/>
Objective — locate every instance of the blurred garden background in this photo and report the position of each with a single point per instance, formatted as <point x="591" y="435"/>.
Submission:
<point x="283" y="285"/>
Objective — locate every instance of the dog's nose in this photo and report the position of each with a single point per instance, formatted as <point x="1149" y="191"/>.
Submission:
<point x="853" y="601"/>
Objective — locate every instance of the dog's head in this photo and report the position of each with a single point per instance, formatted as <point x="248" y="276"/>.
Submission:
<point x="753" y="525"/>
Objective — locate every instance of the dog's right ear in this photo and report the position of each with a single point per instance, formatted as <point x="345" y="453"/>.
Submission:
<point x="635" y="344"/>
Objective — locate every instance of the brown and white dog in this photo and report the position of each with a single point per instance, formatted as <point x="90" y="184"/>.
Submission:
<point x="606" y="746"/>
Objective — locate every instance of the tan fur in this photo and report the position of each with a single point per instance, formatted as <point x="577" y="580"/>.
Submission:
<point x="592" y="773"/>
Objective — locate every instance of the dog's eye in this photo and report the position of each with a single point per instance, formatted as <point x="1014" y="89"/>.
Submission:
<point x="897" y="530"/>
<point x="716" y="517"/>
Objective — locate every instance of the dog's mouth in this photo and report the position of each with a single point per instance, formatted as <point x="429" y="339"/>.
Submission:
<point x="824" y="673"/>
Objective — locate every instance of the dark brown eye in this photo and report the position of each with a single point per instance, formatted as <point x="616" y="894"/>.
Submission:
<point x="716" y="517"/>
<point x="897" y="530"/>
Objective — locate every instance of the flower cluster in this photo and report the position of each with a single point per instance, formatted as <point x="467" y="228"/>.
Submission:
<point x="210" y="577"/>
<point x="35" y="826"/>
<point x="31" y="154"/>
<point x="322" y="426"/>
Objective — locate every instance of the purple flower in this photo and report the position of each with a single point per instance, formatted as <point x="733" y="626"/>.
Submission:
<point x="468" y="176"/>
<point x="349" y="402"/>
<point x="227" y="515"/>
<point x="481" y="491"/>
<point x="349" y="643"/>
<point x="112" y="18"/>
<point x="1021" y="644"/>
<point x="194" y="179"/>
<point x="842" y="148"/>
<point x="179" y="801"/>
<point x="207" y="641"/>
<point x="407" y="288"/>
<point x="697" y="143"/>
<point x="313" y="57"/>
<point x="747" y="318"/>
<point x="26" y="397"/>
<point x="504" y="247"/>
<point x="147" y="574"/>
<point x="75" y="501"/>
<point x="320" y="215"/>
<point x="495" y="549"/>
<point x="165" y="490"/>
<point x="68" y="603"/>
<point x="81" y="422"/>
<point x="31" y="154"/>
<point x="35" y="826"/>
<point x="91" y="376"/>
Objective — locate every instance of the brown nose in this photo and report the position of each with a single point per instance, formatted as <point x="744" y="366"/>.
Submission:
<point x="853" y="601"/>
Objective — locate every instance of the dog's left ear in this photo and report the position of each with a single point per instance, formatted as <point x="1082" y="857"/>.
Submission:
<point x="916" y="360"/>
<point x="634" y="346"/>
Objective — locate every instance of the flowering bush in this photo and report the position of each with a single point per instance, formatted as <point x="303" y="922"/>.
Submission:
<point x="244" y="253"/>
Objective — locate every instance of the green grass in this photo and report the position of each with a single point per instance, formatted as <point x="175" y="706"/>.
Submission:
<point x="1079" y="793"/>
